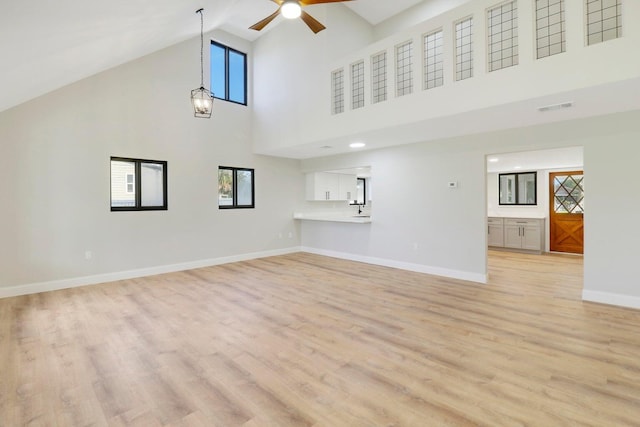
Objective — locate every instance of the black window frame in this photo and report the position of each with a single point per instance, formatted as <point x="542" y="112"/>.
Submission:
<point x="235" y="204"/>
<point x="228" y="49"/>
<point x="138" y="186"/>
<point x="517" y="188"/>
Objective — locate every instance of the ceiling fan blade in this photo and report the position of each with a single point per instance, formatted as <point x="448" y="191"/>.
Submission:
<point x="260" y="25"/>
<point x="308" y="2"/>
<point x="311" y="22"/>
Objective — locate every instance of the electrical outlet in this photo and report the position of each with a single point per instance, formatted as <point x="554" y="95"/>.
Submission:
<point x="88" y="254"/>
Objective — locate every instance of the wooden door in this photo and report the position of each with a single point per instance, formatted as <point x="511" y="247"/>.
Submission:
<point x="566" y="211"/>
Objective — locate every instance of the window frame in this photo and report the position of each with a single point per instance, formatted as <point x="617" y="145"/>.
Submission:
<point x="228" y="49"/>
<point x="138" y="185"/>
<point x="516" y="182"/>
<point x="234" y="170"/>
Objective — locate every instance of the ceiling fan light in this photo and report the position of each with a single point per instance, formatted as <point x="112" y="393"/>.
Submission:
<point x="291" y="9"/>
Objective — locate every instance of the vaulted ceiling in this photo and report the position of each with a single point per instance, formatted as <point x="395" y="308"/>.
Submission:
<point x="47" y="44"/>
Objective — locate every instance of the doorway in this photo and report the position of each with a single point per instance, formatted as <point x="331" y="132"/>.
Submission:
<point x="566" y="212"/>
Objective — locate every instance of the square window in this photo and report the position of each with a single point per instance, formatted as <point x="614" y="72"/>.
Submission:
<point x="236" y="188"/>
<point x="138" y="184"/>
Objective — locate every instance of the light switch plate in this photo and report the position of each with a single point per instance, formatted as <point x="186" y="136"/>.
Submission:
<point x="452" y="184"/>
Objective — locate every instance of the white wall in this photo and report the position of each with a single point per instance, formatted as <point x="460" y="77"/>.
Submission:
<point x="421" y="12"/>
<point x="450" y="225"/>
<point x="478" y="104"/>
<point x="291" y="84"/>
<point x="55" y="183"/>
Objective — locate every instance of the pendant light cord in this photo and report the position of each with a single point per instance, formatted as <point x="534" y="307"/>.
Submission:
<point x="201" y="48"/>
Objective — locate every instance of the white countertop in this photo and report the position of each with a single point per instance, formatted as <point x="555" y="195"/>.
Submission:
<point x="523" y="215"/>
<point x="332" y="217"/>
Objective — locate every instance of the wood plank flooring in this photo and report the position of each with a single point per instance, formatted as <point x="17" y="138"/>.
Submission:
<point x="305" y="340"/>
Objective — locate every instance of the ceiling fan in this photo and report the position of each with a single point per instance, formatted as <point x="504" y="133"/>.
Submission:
<point x="292" y="9"/>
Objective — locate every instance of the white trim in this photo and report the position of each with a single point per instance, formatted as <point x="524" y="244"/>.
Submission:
<point x="420" y="268"/>
<point x="611" y="298"/>
<point x="75" y="282"/>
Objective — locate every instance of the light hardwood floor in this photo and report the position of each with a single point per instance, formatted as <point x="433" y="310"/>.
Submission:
<point x="304" y="340"/>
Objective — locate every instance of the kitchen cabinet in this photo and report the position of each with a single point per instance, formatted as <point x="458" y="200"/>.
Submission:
<point x="524" y="233"/>
<point x="330" y="186"/>
<point x="495" y="230"/>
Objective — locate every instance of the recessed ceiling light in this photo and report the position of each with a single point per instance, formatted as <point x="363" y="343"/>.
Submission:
<point x="493" y="159"/>
<point x="357" y="144"/>
<point x="517" y="167"/>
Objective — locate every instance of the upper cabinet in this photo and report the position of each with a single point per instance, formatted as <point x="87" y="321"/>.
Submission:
<point x="330" y="186"/>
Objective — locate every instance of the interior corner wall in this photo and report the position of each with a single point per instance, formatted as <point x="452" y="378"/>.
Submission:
<point x="412" y="204"/>
<point x="55" y="176"/>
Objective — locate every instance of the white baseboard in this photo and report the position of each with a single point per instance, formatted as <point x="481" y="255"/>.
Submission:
<point x="611" y="299"/>
<point x="419" y="268"/>
<point x="34" y="288"/>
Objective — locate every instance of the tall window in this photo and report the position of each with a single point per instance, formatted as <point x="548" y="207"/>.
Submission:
<point x="464" y="49"/>
<point x="604" y="20"/>
<point x="228" y="74"/>
<point x="235" y="188"/>
<point x="502" y="28"/>
<point x="379" y="77"/>
<point x="550" y="31"/>
<point x="433" y="67"/>
<point x="404" y="63"/>
<point x="357" y="85"/>
<point x="337" y="91"/>
<point x="138" y="185"/>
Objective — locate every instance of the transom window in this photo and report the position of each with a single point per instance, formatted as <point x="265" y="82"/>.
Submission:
<point x="228" y="74"/>
<point x="379" y="77"/>
<point x="404" y="63"/>
<point x="138" y="185"/>
<point x="337" y="91"/>
<point x="464" y="49"/>
<point x="550" y="31"/>
<point x="502" y="22"/>
<point x="235" y="188"/>
<point x="433" y="65"/>
<point x="604" y="20"/>
<point x="357" y="85"/>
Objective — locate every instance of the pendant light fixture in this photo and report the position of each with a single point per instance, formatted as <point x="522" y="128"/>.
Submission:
<point x="201" y="98"/>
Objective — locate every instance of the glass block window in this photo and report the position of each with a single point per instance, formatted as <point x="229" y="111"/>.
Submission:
<point x="379" y="77"/>
<point x="433" y="67"/>
<point x="464" y="49"/>
<point x="604" y="20"/>
<point x="404" y="62"/>
<point x="550" y="31"/>
<point x="337" y="91"/>
<point x="357" y="85"/>
<point x="502" y="28"/>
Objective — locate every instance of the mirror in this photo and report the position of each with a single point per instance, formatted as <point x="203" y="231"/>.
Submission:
<point x="518" y="188"/>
